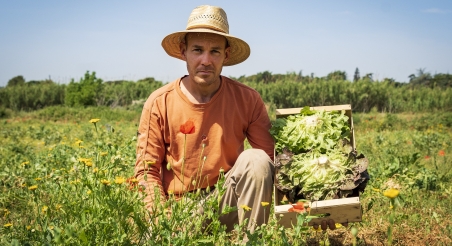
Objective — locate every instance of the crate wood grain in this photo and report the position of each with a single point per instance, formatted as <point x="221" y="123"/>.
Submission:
<point x="344" y="210"/>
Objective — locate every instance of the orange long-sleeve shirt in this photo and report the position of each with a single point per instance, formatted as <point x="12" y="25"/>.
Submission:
<point x="234" y="113"/>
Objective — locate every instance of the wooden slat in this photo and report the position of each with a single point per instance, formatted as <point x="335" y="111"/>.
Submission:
<point x="342" y="210"/>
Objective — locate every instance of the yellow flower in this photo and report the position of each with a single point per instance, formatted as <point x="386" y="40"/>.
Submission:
<point x="170" y="192"/>
<point x="245" y="207"/>
<point x="7" y="225"/>
<point x="88" y="192"/>
<point x="89" y="163"/>
<point x="120" y="180"/>
<point x="95" y="170"/>
<point x="44" y="209"/>
<point x="84" y="159"/>
<point x="264" y="204"/>
<point x="103" y="153"/>
<point x="25" y="163"/>
<point x="78" y="142"/>
<point x="338" y="225"/>
<point x="105" y="182"/>
<point x="33" y="187"/>
<point x="58" y="206"/>
<point x="28" y="227"/>
<point x="38" y="179"/>
<point x="391" y="193"/>
<point x="94" y="121"/>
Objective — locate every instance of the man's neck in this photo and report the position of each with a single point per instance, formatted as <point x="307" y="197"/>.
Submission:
<point x="198" y="94"/>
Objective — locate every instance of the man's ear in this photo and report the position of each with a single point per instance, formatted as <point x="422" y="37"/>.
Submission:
<point x="227" y="53"/>
<point x="183" y="49"/>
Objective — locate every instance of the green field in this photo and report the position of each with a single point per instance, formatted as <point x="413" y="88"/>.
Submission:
<point x="64" y="181"/>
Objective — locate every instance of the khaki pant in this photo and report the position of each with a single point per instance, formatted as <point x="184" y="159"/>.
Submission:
<point x="249" y="183"/>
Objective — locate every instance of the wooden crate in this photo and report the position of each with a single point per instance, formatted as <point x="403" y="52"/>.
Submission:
<point x="340" y="210"/>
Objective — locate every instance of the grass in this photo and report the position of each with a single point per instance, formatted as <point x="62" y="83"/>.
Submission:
<point x="79" y="202"/>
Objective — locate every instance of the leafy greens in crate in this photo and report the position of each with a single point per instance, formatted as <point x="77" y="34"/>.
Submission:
<point x="315" y="160"/>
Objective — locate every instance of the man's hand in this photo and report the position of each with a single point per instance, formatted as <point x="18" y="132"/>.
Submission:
<point x="328" y="224"/>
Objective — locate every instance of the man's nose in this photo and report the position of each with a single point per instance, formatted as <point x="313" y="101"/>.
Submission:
<point x="206" y="59"/>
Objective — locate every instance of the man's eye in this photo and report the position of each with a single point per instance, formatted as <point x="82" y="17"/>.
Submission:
<point x="197" y="50"/>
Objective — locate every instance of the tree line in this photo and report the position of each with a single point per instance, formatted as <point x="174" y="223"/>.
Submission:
<point x="424" y="92"/>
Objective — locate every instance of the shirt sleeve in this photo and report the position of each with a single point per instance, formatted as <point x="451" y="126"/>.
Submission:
<point x="258" y="132"/>
<point x="150" y="153"/>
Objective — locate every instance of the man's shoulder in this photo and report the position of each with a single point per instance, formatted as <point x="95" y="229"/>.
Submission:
<point x="236" y="85"/>
<point x="161" y="92"/>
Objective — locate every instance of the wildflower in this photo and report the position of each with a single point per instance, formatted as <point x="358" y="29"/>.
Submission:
<point x="170" y="192"/>
<point x="25" y="163"/>
<point x="44" y="209"/>
<point x="28" y="227"/>
<point x="338" y="225"/>
<point x="33" y="187"/>
<point x="188" y="127"/>
<point x="58" y="206"/>
<point x="264" y="204"/>
<point x="8" y="225"/>
<point x="245" y="207"/>
<point x="297" y="207"/>
<point x="120" y="180"/>
<point x="38" y="179"/>
<point x="78" y="142"/>
<point x="105" y="182"/>
<point x="95" y="170"/>
<point x="441" y="153"/>
<point x="89" y="163"/>
<point x="427" y="157"/>
<point x="94" y="121"/>
<point x="391" y="193"/>
<point x="103" y="153"/>
<point x="88" y="192"/>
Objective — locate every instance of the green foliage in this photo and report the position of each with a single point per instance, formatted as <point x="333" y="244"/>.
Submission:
<point x="337" y="75"/>
<point x="18" y="80"/>
<point x="32" y="96"/>
<point x="84" y="93"/>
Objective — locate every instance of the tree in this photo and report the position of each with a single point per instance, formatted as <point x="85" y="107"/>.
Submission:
<point x="84" y="93"/>
<point x="18" y="80"/>
<point x="356" y="77"/>
<point x="337" y="75"/>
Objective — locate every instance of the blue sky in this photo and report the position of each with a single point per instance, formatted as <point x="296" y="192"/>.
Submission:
<point x="121" y="39"/>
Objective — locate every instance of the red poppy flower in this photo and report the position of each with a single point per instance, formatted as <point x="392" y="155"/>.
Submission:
<point x="427" y="157"/>
<point x="441" y="153"/>
<point x="298" y="207"/>
<point x="188" y="127"/>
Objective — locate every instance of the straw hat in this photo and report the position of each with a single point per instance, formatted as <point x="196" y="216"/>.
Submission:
<point x="208" y="19"/>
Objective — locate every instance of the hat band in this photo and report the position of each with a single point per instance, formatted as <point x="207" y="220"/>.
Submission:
<point x="208" y="27"/>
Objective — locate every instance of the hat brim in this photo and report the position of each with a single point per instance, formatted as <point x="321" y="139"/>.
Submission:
<point x="239" y="50"/>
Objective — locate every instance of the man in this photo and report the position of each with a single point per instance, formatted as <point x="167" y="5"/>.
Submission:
<point x="205" y="113"/>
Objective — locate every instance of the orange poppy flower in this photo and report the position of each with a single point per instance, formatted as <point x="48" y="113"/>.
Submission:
<point x="298" y="207"/>
<point x="188" y="127"/>
<point x="441" y="153"/>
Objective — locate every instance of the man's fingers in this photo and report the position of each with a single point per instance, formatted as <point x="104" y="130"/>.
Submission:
<point x="331" y="224"/>
<point x="323" y="225"/>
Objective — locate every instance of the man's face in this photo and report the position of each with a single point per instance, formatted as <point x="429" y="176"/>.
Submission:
<point x="205" y="54"/>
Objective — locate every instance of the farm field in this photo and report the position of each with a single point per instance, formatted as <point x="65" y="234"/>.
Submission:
<point x="65" y="180"/>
